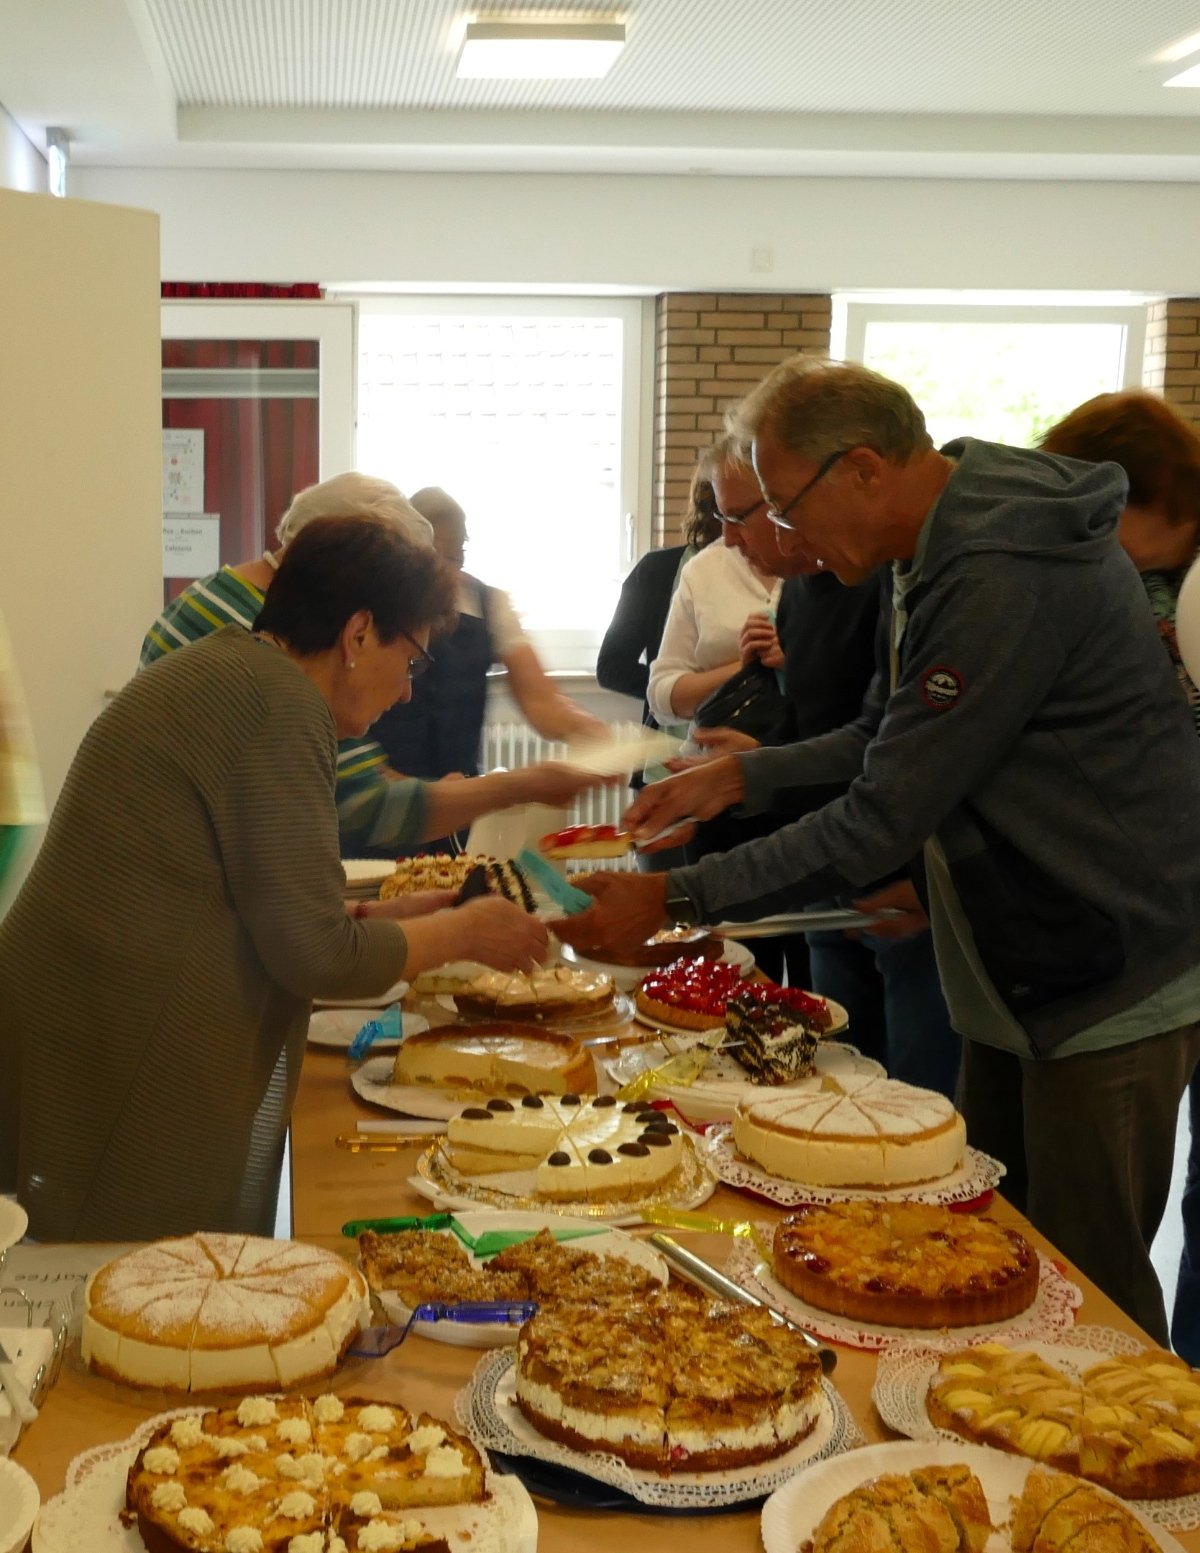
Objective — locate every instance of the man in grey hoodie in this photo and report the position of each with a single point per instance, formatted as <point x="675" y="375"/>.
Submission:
<point x="1029" y="733"/>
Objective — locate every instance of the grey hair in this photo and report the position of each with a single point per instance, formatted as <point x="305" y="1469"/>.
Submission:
<point x="814" y="407"/>
<point x="352" y="495"/>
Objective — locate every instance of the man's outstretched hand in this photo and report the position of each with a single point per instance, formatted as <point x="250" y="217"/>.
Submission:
<point x="629" y="909"/>
<point x="699" y="793"/>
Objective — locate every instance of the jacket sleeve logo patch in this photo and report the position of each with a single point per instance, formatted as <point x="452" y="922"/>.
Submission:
<point x="941" y="688"/>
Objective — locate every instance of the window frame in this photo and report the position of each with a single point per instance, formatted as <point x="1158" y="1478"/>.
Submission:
<point x="563" y="652"/>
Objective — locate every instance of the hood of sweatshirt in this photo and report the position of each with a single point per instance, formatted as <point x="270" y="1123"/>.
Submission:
<point x="1022" y="502"/>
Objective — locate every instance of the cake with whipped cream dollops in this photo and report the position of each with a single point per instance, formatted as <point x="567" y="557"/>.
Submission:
<point x="774" y="1033"/>
<point x="671" y="1382"/>
<point x="849" y="1131"/>
<point x="579" y="1147"/>
<point x="222" y="1312"/>
<point x="555" y="992"/>
<point x="288" y="1475"/>
<point x="431" y="871"/>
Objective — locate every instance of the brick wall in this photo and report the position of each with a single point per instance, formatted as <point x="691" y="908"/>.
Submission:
<point x="1171" y="365"/>
<point x="711" y="350"/>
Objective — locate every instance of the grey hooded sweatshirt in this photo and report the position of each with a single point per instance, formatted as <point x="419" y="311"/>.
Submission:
<point x="1035" y="734"/>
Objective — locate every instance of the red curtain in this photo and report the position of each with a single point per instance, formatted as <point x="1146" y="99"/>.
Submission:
<point x="304" y="291"/>
<point x="257" y="452"/>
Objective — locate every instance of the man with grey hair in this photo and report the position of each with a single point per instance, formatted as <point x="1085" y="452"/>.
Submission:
<point x="1029" y="728"/>
<point x="379" y="813"/>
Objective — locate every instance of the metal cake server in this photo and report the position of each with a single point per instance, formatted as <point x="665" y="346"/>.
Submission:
<point x="374" y="1342"/>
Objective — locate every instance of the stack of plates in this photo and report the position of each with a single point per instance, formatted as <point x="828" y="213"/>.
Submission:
<point x="364" y="875"/>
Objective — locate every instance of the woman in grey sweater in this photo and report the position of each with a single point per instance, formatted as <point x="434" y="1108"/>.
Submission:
<point x="186" y="906"/>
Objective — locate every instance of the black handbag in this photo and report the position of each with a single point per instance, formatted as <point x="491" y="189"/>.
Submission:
<point x="751" y="701"/>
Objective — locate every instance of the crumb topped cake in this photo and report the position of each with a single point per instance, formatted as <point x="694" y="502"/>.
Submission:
<point x="905" y="1264"/>
<point x="554" y="992"/>
<point x="1130" y="1423"/>
<point x="288" y="1475"/>
<point x="579" y="1148"/>
<point x="942" y="1508"/>
<point x="222" y="1312"/>
<point x="775" y="1037"/>
<point x="497" y="1059"/>
<point x="1059" y="1514"/>
<point x="852" y="1131"/>
<point x="421" y="1265"/>
<point x="670" y="1383"/>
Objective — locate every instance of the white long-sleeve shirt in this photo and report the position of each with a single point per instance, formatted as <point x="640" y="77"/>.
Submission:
<point x="717" y="591"/>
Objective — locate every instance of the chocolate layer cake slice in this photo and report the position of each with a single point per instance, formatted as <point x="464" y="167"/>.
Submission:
<point x="774" y="1042"/>
<point x="504" y="879"/>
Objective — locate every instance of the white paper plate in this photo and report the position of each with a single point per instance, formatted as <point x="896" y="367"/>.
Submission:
<point x="793" y="1512"/>
<point x="462" y="1334"/>
<point x="371" y="1081"/>
<point x="361" y="871"/>
<point x="14" y="1221"/>
<point x="383" y="1000"/>
<point x="19" y="1501"/>
<point x="627" y="977"/>
<point x="86" y="1515"/>
<point x="723" y="1084"/>
<point x="839" y="1020"/>
<point x="337" y="1027"/>
<point x="623" y="756"/>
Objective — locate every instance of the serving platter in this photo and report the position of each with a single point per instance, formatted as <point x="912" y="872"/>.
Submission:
<point x="607" y="1242"/>
<point x="793" y="1512"/>
<point x="336" y="1028"/>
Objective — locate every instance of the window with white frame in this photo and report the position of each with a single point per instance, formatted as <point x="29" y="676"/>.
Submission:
<point x="527" y="412"/>
<point x="1003" y="371"/>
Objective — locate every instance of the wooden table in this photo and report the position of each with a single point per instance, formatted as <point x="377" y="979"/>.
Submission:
<point x="331" y="1185"/>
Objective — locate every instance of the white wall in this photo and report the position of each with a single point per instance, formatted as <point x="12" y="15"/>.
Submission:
<point x="654" y="233"/>
<point x="22" y="166"/>
<point x="80" y="456"/>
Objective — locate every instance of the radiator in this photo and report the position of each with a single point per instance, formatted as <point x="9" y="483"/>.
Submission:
<point x="516" y="744"/>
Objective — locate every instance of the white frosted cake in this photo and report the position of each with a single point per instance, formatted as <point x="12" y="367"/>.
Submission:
<point x="578" y="1147"/>
<point x="852" y="1131"/>
<point x="222" y="1312"/>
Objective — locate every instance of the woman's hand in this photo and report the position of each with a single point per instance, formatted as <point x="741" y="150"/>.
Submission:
<point x="419" y="904"/>
<point x="697" y="794"/>
<point x="554" y="784"/>
<point x="723" y="741"/>
<point x="629" y="909"/>
<point x="498" y="933"/>
<point x="760" y="640"/>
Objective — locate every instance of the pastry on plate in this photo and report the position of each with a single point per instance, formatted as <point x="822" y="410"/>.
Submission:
<point x="937" y="1509"/>
<point x="586" y="841"/>
<point x="1059" y="1514"/>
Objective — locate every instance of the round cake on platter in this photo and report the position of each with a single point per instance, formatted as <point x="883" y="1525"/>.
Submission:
<point x="555" y="992"/>
<point x="852" y="1131"/>
<point x="497" y="1059"/>
<point x="222" y="1312"/>
<point x="905" y="1264"/>
<point x="286" y="1475"/>
<point x="673" y="1383"/>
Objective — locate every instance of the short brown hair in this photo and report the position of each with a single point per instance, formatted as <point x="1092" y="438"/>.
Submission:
<point x="336" y="566"/>
<point x="814" y="407"/>
<point x="1155" y="446"/>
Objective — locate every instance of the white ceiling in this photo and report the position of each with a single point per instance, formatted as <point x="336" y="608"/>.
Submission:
<point x="949" y="88"/>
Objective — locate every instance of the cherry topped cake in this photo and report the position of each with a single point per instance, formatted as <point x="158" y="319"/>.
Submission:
<point x="692" y="994"/>
<point x="905" y="1264"/>
<point x="586" y="841"/>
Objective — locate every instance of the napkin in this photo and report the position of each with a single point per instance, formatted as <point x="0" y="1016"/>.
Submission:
<point x="28" y="1348"/>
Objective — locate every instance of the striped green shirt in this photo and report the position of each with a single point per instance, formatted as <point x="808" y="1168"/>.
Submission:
<point x="374" y="810"/>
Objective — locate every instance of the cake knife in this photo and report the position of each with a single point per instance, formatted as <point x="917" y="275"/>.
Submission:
<point x="10" y="1384"/>
<point x="701" y="1273"/>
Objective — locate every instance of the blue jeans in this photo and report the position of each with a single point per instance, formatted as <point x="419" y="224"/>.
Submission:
<point x="891" y="990"/>
<point x="1185" y="1317"/>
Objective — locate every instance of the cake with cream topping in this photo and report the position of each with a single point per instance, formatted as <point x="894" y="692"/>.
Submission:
<point x="579" y="1148"/>
<point x="222" y="1312"/>
<point x="498" y="1059"/>
<point x="542" y="994"/>
<point x="673" y="1383"/>
<point x="852" y="1131"/>
<point x="288" y="1475"/>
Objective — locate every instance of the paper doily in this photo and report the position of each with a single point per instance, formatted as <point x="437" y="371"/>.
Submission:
<point x="486" y="1408"/>
<point x="904" y="1372"/>
<point x="86" y="1513"/>
<point x="1052" y="1312"/>
<point x="689" y="1186"/>
<point x="978" y="1173"/>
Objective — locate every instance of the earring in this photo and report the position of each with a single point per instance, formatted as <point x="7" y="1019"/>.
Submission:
<point x="351" y="663"/>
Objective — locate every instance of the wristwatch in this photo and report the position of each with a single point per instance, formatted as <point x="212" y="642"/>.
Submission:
<point x="680" y="907"/>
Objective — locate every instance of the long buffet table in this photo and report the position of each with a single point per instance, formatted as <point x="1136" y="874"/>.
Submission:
<point x="330" y="1185"/>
